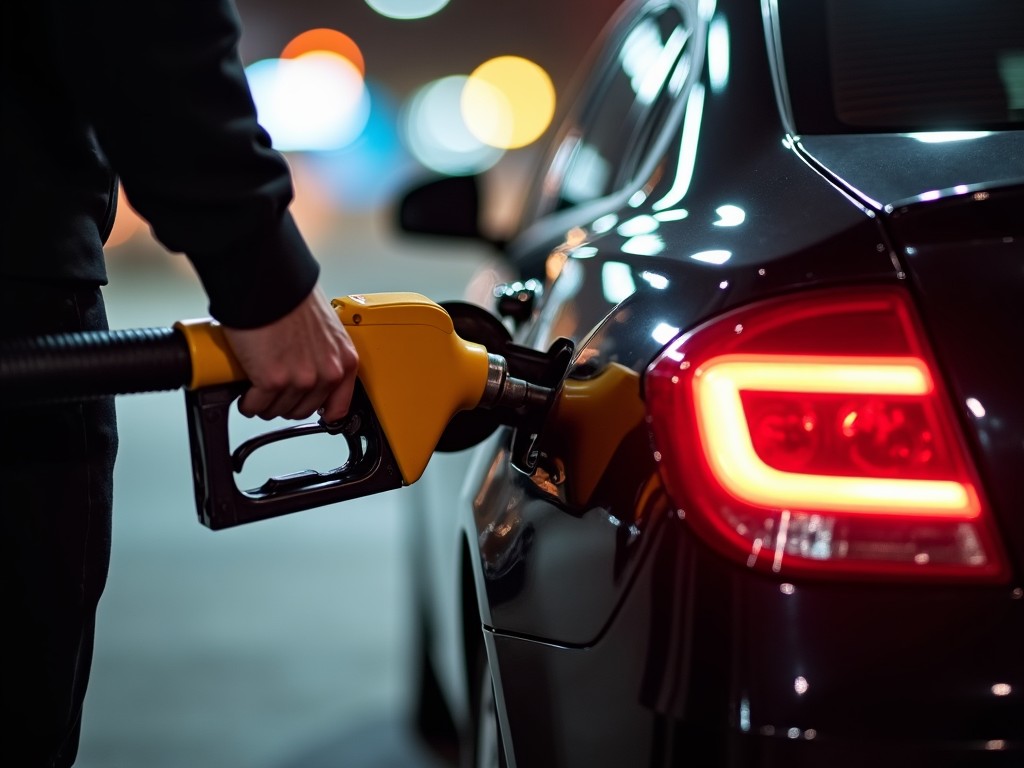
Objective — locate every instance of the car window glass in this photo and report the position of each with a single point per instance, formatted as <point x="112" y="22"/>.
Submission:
<point x="606" y="139"/>
<point x="879" y="65"/>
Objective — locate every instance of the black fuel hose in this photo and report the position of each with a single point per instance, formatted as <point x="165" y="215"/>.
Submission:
<point x="74" y="366"/>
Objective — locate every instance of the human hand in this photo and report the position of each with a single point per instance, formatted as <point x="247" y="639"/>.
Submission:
<point x="299" y="364"/>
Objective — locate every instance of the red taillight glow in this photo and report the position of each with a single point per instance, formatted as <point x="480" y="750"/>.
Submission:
<point x="725" y="431"/>
<point x="811" y="434"/>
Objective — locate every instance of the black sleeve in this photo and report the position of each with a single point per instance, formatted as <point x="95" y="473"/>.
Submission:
<point x="164" y="88"/>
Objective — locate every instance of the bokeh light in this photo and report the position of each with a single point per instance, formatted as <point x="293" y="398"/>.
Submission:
<point x="407" y="9"/>
<point x="127" y="223"/>
<point x="436" y="134"/>
<point x="369" y="172"/>
<point x="508" y="102"/>
<point x="329" y="40"/>
<point x="312" y="204"/>
<point x="315" y="102"/>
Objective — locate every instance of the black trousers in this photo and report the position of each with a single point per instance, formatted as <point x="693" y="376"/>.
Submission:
<point x="56" y="473"/>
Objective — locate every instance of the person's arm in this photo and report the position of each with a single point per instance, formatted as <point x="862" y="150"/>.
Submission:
<point x="163" y="85"/>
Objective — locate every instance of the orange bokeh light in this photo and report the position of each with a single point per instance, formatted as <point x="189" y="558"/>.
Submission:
<point x="324" y="39"/>
<point x="127" y="224"/>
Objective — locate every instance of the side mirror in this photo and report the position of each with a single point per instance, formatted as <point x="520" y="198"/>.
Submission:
<point x="447" y="207"/>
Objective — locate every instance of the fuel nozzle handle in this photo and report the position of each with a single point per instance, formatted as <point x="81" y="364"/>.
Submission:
<point x="505" y="391"/>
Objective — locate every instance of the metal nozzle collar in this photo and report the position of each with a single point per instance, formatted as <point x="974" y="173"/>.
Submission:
<point x="507" y="391"/>
<point x="497" y="374"/>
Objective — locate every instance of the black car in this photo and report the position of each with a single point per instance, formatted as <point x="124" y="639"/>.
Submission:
<point x="775" y="516"/>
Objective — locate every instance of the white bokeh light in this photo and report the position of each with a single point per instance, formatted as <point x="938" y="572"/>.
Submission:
<point x="317" y="102"/>
<point x="436" y="134"/>
<point x="407" y="9"/>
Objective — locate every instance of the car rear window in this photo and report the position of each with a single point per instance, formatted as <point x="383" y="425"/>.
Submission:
<point x="903" y="65"/>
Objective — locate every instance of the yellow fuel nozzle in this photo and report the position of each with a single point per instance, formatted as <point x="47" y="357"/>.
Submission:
<point x="415" y="374"/>
<point x="418" y="372"/>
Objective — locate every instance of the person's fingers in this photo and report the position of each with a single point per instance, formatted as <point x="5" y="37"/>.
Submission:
<point x="340" y="379"/>
<point x="330" y="387"/>
<point x="307" y="405"/>
<point x="281" y="406"/>
<point x="278" y="395"/>
<point x="328" y="393"/>
<point x="336" y="406"/>
<point x="302" y="363"/>
<point x="255" y="401"/>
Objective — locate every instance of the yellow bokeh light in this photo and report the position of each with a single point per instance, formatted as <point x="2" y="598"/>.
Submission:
<point x="508" y="102"/>
<point x="329" y="40"/>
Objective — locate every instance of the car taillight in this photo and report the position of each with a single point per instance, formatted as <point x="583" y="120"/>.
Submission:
<point x="812" y="434"/>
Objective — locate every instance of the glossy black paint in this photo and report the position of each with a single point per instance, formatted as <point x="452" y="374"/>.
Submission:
<point x="965" y="262"/>
<point x="888" y="169"/>
<point x="703" y="666"/>
<point x="615" y="635"/>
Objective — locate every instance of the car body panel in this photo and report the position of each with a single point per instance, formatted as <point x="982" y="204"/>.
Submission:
<point x="888" y="169"/>
<point x="969" y="282"/>
<point x="705" y="665"/>
<point x="615" y="634"/>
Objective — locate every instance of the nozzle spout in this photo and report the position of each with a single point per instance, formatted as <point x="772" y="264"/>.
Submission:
<point x="504" y="391"/>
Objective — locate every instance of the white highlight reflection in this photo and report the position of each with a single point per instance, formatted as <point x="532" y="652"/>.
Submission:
<point x="687" y="150"/>
<point x="718" y="54"/>
<point x="744" y="715"/>
<point x="712" y="257"/>
<point x="730" y="216"/>
<point x="655" y="280"/>
<point x="676" y="214"/>
<point x="638" y="225"/>
<point x="644" y="245"/>
<point x="604" y="224"/>
<point x="617" y="282"/>
<point x="664" y="333"/>
<point x="941" y="137"/>
<point x="584" y="252"/>
<point x="654" y="78"/>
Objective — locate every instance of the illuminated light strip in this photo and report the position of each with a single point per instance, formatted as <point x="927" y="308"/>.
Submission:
<point x="726" y="436"/>
<point x="822" y="374"/>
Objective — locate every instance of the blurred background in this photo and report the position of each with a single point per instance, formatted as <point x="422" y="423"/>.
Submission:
<point x="286" y="644"/>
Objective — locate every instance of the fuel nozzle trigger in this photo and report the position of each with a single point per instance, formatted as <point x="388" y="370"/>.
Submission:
<point x="369" y="468"/>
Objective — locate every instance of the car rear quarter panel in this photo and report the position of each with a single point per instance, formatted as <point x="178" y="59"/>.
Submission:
<point x="709" y="664"/>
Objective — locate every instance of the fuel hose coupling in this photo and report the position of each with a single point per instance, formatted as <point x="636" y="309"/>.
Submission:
<point x="504" y="391"/>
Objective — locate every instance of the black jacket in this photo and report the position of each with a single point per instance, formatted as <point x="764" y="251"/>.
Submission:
<point x="153" y="91"/>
